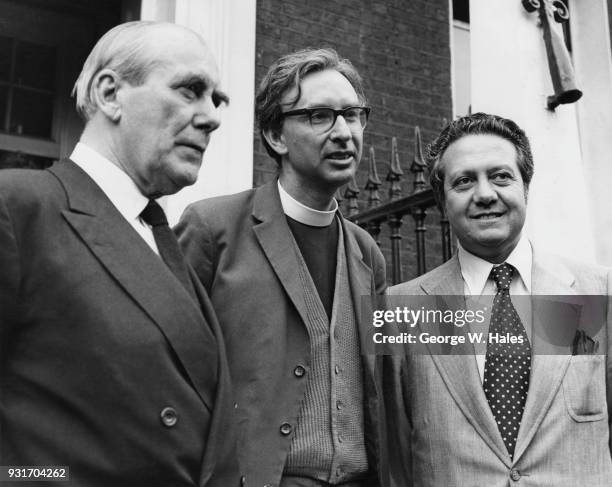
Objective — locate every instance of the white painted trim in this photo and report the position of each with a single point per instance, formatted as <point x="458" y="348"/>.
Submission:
<point x="228" y="27"/>
<point x="593" y="64"/>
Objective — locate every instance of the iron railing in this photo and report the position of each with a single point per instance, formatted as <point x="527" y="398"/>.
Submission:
<point x="392" y="212"/>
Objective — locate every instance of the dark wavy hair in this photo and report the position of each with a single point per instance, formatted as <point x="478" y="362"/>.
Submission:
<point x="287" y="73"/>
<point x="478" y="123"/>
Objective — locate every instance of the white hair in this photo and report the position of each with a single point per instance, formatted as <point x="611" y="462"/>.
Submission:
<point x="125" y="50"/>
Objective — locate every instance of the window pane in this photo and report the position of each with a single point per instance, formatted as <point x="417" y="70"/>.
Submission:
<point x="5" y="58"/>
<point x="35" y="65"/>
<point x="10" y="159"/>
<point x="32" y="113"/>
<point x="461" y="10"/>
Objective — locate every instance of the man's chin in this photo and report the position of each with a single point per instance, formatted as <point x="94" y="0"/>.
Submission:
<point x="494" y="248"/>
<point x="175" y="182"/>
<point x="186" y="179"/>
<point x="341" y="176"/>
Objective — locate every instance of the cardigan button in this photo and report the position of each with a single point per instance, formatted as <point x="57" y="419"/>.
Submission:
<point x="286" y="429"/>
<point x="299" y="371"/>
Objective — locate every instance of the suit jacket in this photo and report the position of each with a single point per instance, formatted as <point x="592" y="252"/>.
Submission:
<point x="241" y="248"/>
<point x="107" y="366"/>
<point x="446" y="431"/>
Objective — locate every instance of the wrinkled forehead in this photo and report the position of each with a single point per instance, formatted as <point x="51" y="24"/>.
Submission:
<point x="478" y="152"/>
<point x="326" y="87"/>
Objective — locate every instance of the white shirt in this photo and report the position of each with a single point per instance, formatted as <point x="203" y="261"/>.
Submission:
<point x="477" y="282"/>
<point x="304" y="214"/>
<point x="117" y="186"/>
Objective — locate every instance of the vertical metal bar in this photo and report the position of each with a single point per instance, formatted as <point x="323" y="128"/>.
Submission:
<point x="419" y="215"/>
<point x="395" y="222"/>
<point x="373" y="229"/>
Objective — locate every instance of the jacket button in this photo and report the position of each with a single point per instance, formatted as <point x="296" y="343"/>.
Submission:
<point x="299" y="371"/>
<point x="515" y="474"/>
<point x="168" y="417"/>
<point x="286" y="429"/>
<point x="242" y="481"/>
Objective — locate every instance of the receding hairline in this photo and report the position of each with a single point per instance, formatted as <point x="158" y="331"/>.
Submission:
<point x="174" y="34"/>
<point x="171" y="27"/>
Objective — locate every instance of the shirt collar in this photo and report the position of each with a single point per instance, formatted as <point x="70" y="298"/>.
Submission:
<point x="476" y="271"/>
<point x="304" y="214"/>
<point x="116" y="184"/>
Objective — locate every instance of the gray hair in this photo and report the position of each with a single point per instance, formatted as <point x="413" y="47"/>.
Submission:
<point x="287" y="73"/>
<point x="478" y="123"/>
<point x="124" y="49"/>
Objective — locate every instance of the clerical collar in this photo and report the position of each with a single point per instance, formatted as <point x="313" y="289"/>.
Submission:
<point x="476" y="271"/>
<point x="304" y="214"/>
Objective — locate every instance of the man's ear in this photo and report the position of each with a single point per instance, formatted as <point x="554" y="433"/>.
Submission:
<point x="276" y="141"/>
<point x="104" y="89"/>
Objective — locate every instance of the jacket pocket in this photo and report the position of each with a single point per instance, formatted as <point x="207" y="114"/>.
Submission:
<point x="584" y="388"/>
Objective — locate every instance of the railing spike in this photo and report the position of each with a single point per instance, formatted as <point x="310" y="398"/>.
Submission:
<point x="418" y="163"/>
<point x="395" y="172"/>
<point x="373" y="182"/>
<point x="352" y="195"/>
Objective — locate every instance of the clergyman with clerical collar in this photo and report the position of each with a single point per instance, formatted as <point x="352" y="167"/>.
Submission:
<point x="285" y="272"/>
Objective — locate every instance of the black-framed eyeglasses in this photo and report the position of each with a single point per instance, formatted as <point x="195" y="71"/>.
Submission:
<point x="323" y="119"/>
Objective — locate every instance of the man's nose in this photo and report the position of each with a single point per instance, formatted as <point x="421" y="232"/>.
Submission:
<point x="484" y="192"/>
<point x="206" y="117"/>
<point x="340" y="129"/>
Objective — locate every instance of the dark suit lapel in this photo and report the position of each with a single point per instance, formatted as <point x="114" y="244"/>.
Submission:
<point x="142" y="274"/>
<point x="459" y="369"/>
<point x="277" y="243"/>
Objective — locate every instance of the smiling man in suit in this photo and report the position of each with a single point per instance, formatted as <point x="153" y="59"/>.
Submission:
<point x="500" y="415"/>
<point x="285" y="272"/>
<point x="111" y="360"/>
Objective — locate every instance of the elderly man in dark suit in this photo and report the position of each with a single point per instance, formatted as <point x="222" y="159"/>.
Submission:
<point x="112" y="362"/>
<point x="286" y="273"/>
<point x="530" y="410"/>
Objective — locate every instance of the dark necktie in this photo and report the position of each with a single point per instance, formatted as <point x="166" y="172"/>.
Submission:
<point x="507" y="365"/>
<point x="167" y="244"/>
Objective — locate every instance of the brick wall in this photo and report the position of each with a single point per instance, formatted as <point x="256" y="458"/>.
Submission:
<point x="401" y="49"/>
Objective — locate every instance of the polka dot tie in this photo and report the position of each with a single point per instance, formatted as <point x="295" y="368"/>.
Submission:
<point x="507" y="365"/>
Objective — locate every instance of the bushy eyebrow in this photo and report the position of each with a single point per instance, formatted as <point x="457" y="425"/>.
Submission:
<point x="490" y="170"/>
<point x="188" y="78"/>
<point x="218" y="96"/>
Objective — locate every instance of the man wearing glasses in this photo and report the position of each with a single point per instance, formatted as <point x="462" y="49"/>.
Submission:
<point x="285" y="273"/>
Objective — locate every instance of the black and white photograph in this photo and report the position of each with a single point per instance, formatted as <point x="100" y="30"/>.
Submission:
<point x="283" y="243"/>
